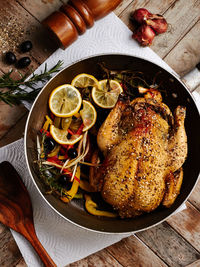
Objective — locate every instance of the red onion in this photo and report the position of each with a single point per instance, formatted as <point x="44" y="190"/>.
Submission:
<point x="144" y="35"/>
<point x="140" y="15"/>
<point x="158" y="25"/>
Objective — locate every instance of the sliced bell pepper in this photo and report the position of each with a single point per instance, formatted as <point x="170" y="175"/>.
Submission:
<point x="47" y="123"/>
<point x="43" y="131"/>
<point x="55" y="159"/>
<point x="77" y="115"/>
<point x="80" y="129"/>
<point x="54" y="152"/>
<point x="69" y="195"/>
<point x="61" y="157"/>
<point x="79" y="196"/>
<point x="91" y="207"/>
<point x="70" y="132"/>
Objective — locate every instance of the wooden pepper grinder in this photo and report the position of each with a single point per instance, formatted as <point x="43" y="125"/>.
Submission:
<point x="75" y="17"/>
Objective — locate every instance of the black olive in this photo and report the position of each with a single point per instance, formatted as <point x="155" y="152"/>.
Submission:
<point x="26" y="46"/>
<point x="49" y="144"/>
<point x="63" y="179"/>
<point x="72" y="153"/>
<point x="23" y="62"/>
<point x="10" y="58"/>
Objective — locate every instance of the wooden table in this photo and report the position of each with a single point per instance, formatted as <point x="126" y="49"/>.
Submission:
<point x="176" y="242"/>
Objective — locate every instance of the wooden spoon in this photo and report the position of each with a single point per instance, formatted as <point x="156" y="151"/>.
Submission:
<point x="16" y="209"/>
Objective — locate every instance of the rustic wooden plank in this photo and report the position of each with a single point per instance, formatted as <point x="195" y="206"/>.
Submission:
<point x="158" y="7"/>
<point x="181" y="17"/>
<point x="132" y="252"/>
<point x="194" y="264"/>
<point x="99" y="259"/>
<point x="16" y="132"/>
<point x="9" y="252"/>
<point x="9" y="115"/>
<point x="40" y="9"/>
<point x="194" y="197"/>
<point x="185" y="55"/>
<point x="122" y="6"/>
<point x="21" y="263"/>
<point x="17" y="25"/>
<point x="197" y="89"/>
<point x="189" y="227"/>
<point x="169" y="245"/>
<point x="2" y="228"/>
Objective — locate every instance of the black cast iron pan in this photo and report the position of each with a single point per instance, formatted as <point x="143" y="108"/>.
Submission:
<point x="75" y="211"/>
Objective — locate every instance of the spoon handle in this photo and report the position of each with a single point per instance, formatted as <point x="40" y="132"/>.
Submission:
<point x="42" y="253"/>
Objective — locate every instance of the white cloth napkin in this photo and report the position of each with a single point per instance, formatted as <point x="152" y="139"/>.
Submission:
<point x="65" y="242"/>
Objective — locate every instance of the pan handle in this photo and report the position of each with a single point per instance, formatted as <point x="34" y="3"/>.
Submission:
<point x="192" y="78"/>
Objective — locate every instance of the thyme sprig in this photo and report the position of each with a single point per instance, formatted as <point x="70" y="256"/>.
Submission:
<point x="131" y="80"/>
<point x="16" y="92"/>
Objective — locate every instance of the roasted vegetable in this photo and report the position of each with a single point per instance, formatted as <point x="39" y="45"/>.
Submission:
<point x="92" y="208"/>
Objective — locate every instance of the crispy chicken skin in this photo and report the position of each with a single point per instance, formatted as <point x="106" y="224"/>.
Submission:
<point x="144" y="147"/>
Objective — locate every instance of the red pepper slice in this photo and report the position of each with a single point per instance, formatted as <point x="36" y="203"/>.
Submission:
<point x="80" y="129"/>
<point x="70" y="146"/>
<point x="43" y="131"/>
<point x="70" y="132"/>
<point x="69" y="173"/>
<point x="62" y="151"/>
<point x="55" y="160"/>
<point x="52" y="116"/>
<point x="66" y="171"/>
<point x="77" y="179"/>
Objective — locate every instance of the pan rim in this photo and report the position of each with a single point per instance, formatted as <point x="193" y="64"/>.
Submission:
<point x="26" y="156"/>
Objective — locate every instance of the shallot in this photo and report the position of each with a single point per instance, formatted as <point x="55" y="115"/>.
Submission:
<point x="158" y="25"/>
<point x="150" y="25"/>
<point x="140" y="15"/>
<point x="144" y="35"/>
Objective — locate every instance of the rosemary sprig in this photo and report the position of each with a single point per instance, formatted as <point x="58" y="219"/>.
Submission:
<point x="17" y="93"/>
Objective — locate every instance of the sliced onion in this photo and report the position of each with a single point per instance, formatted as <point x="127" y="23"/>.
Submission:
<point x="38" y="147"/>
<point x="74" y="172"/>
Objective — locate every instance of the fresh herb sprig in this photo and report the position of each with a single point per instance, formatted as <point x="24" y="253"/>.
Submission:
<point x="16" y="92"/>
<point x="131" y="80"/>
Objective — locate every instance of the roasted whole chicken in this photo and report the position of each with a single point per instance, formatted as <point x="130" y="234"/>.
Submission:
<point x="144" y="148"/>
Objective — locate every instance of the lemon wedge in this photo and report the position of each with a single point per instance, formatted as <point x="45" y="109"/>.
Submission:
<point x="88" y="115"/>
<point x="61" y="136"/>
<point x="84" y="80"/>
<point x="65" y="101"/>
<point x="107" y="95"/>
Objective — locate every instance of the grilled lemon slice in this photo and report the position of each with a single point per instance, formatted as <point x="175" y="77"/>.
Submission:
<point x="65" y="101"/>
<point x="107" y="95"/>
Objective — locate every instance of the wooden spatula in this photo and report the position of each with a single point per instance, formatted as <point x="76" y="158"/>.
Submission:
<point x="16" y="209"/>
